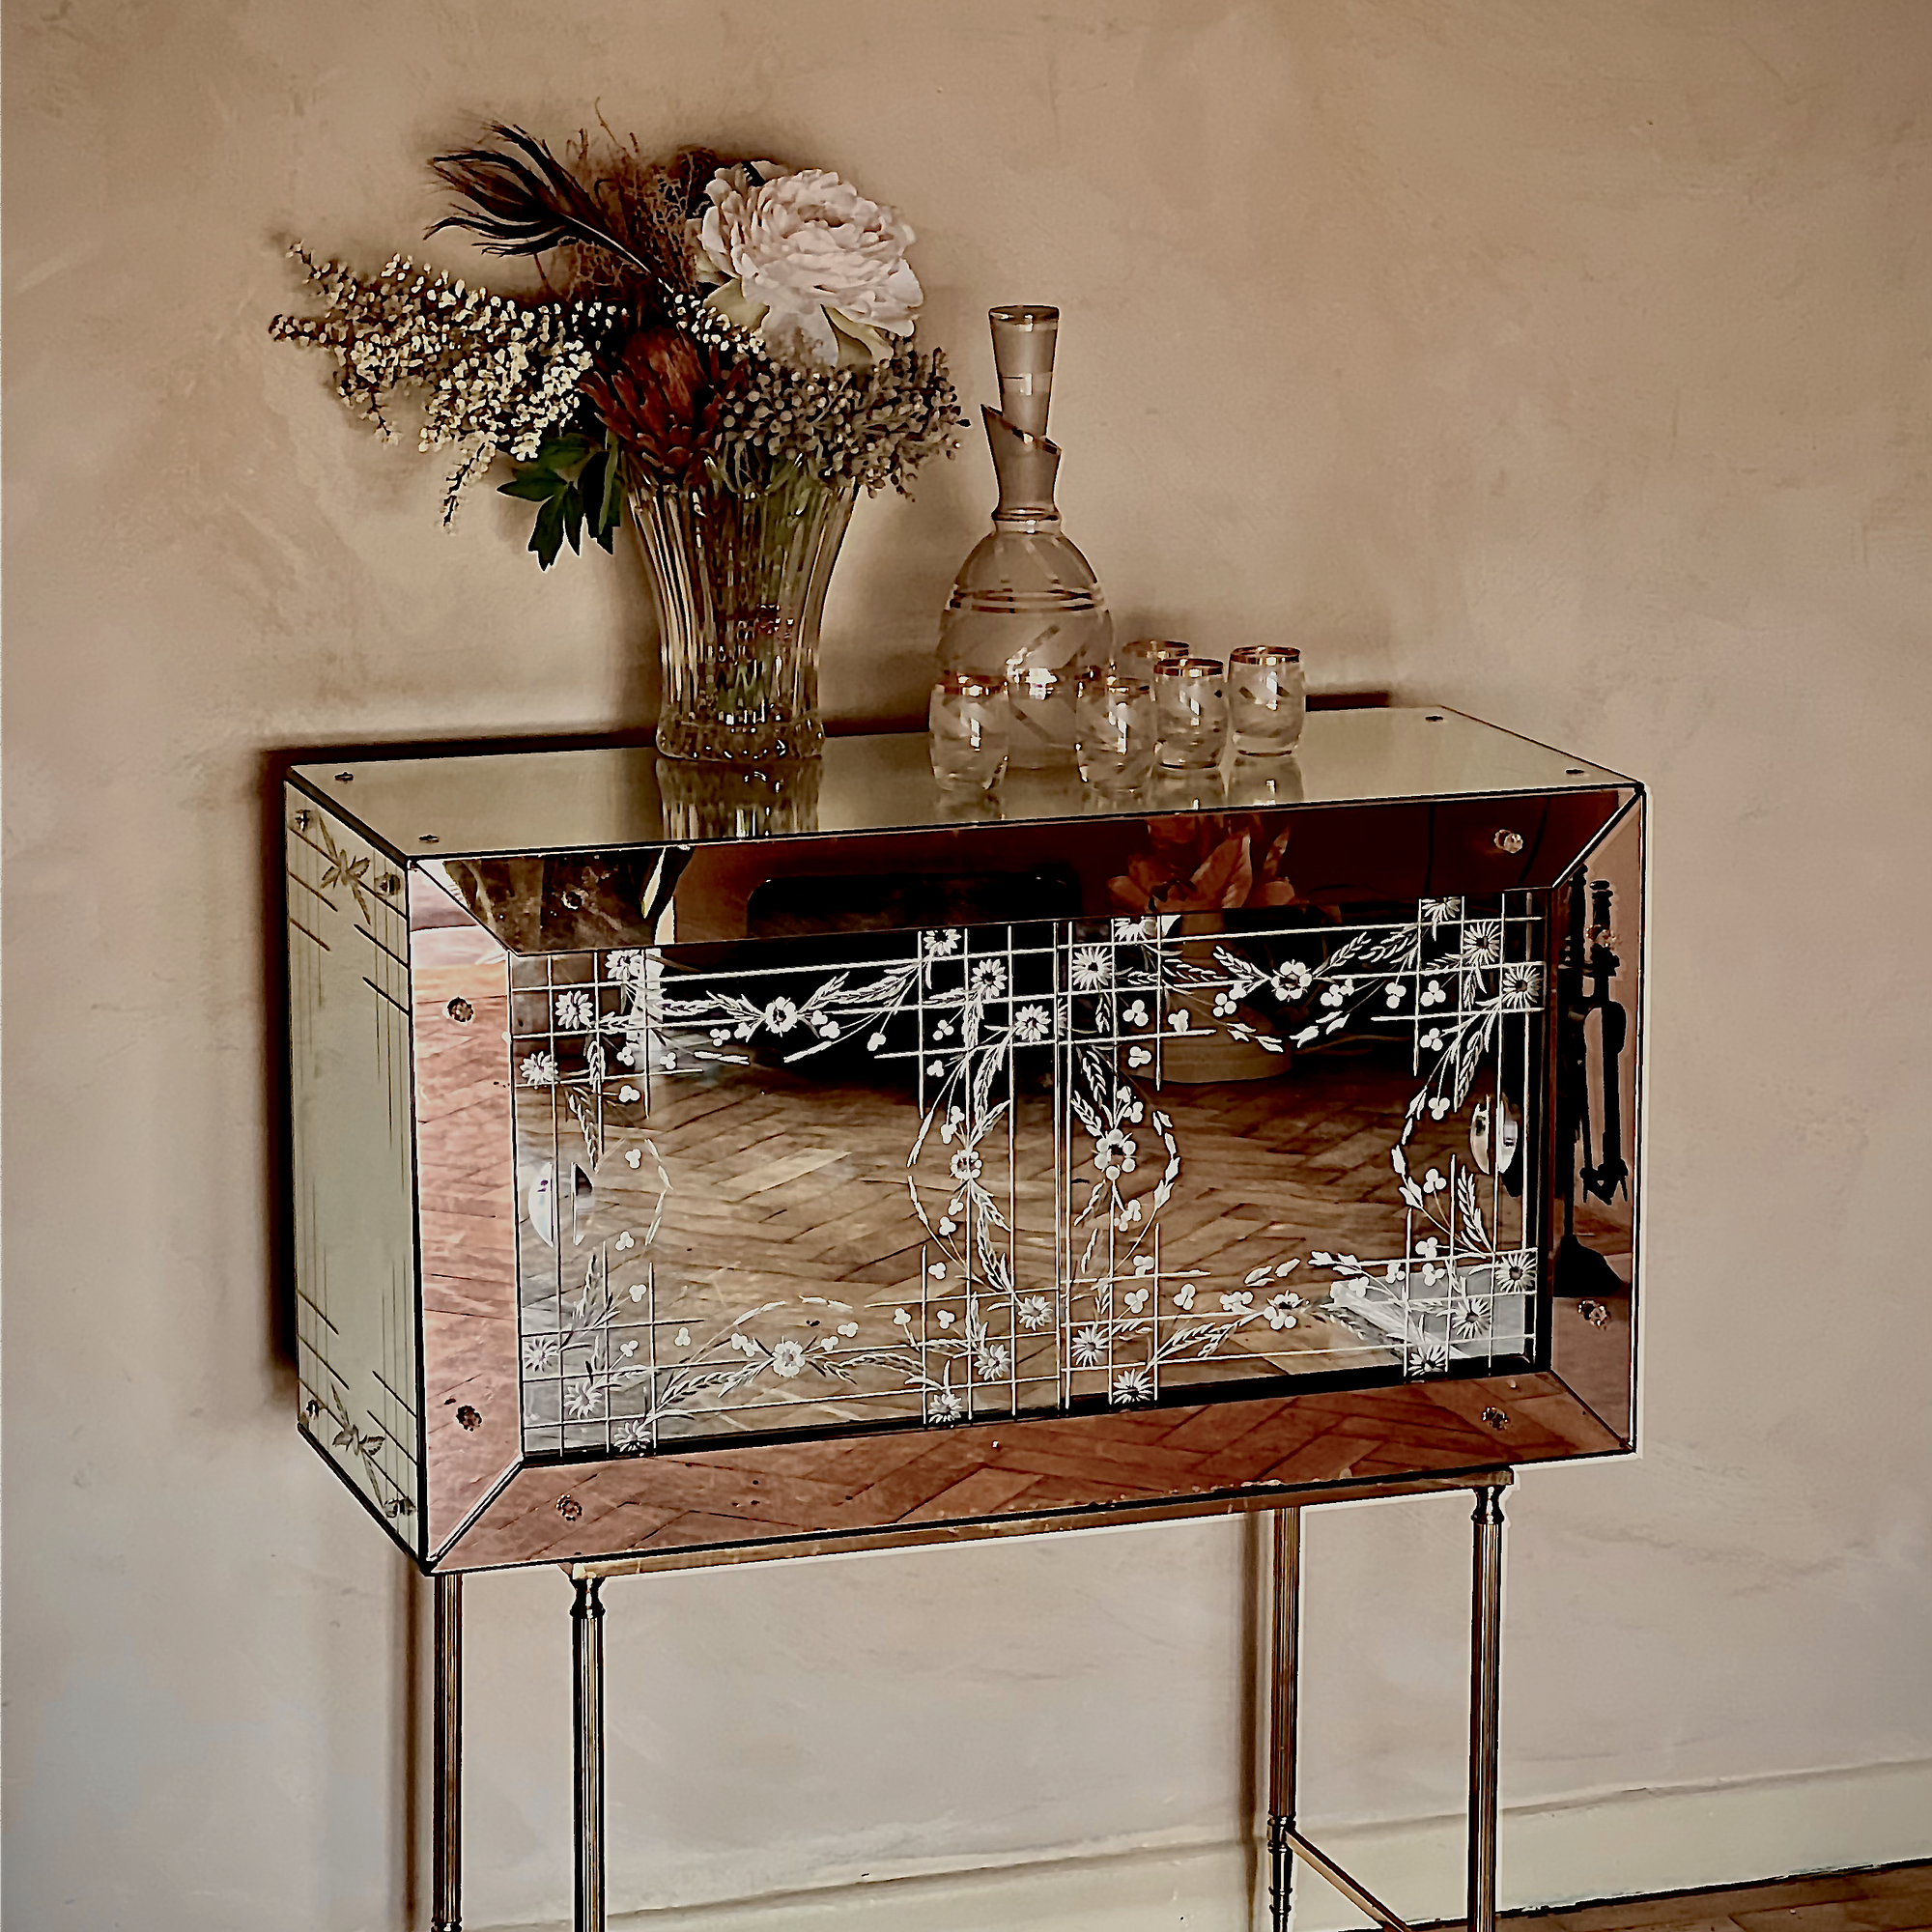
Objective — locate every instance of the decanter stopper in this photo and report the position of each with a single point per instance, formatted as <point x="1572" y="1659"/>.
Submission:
<point x="1026" y="604"/>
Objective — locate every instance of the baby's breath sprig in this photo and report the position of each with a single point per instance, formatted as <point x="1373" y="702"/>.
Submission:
<point x="492" y="372"/>
<point x="854" y="428"/>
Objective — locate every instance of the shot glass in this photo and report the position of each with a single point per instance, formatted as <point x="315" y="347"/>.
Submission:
<point x="1138" y="658"/>
<point x="1268" y="700"/>
<point x="1190" y="697"/>
<point x="1113" y="732"/>
<point x="1042" y="710"/>
<point x="969" y="722"/>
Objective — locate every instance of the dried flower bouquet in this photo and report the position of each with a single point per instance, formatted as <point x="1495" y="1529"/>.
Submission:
<point x="727" y="347"/>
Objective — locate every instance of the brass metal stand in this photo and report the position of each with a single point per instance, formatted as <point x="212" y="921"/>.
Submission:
<point x="1284" y="1842"/>
<point x="447" y="1805"/>
<point x="587" y="1633"/>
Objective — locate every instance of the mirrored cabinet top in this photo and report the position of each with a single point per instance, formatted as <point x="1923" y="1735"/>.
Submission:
<point x="460" y="805"/>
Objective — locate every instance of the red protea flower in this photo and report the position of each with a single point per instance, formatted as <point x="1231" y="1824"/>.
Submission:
<point x="662" y="399"/>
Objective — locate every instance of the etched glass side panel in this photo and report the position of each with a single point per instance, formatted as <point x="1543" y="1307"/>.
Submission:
<point x="973" y="1173"/>
<point x="349" y="1068"/>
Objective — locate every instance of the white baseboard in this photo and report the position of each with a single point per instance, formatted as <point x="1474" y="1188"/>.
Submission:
<point x="1617" y="1844"/>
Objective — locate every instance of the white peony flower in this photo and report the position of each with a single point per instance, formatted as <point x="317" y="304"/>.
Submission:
<point x="806" y="262"/>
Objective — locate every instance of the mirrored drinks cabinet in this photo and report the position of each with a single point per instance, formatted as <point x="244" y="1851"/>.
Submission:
<point x="694" y="1166"/>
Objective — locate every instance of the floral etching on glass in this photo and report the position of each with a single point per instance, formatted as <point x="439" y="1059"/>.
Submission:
<point x="1034" y="1261"/>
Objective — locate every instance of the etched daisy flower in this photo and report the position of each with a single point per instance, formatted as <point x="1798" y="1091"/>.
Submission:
<point x="628" y="967"/>
<point x="1515" y="1273"/>
<point x="634" y="1435"/>
<point x="539" y="1354"/>
<point x="580" y="1397"/>
<point x="943" y="945"/>
<point x="1428" y="1354"/>
<point x="1521" y="987"/>
<point x="1283" y="1310"/>
<point x="1472" y="1318"/>
<point x="1032" y="1024"/>
<point x="1091" y="967"/>
<point x="787" y="1357"/>
<point x="1438" y="913"/>
<point x="942" y="1404"/>
<point x="1035" y="1311"/>
<point x="1132" y="1385"/>
<point x="575" y="1010"/>
<point x="967" y="1165"/>
<point x="990" y="1360"/>
<point x="781" y="1015"/>
<point x="539" y="1070"/>
<point x="1090" y="1346"/>
<point x="1482" y="944"/>
<point x="989" y="978"/>
<point x="1114" y="1153"/>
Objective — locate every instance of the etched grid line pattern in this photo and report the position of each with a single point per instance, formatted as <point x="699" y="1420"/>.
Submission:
<point x="733" y="1220"/>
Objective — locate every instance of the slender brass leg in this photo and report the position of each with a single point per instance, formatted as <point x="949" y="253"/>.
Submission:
<point x="1285" y="1595"/>
<point x="587" y="1633"/>
<point x="1485" y="1686"/>
<point x="446" y="1810"/>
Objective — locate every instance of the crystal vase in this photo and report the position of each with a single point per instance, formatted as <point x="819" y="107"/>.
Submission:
<point x="740" y="577"/>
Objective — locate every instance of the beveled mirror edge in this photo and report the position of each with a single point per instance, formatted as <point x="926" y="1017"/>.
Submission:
<point x="322" y="777"/>
<point x="553" y="1511"/>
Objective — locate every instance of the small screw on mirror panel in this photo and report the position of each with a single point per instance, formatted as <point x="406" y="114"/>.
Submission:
<point x="345" y="777"/>
<point x="1496" y="1419"/>
<point x="460" y="1011"/>
<point x="302" y="820"/>
<point x="569" y="1508"/>
<point x="468" y="1417"/>
<point x="1509" y="841"/>
<point x="428" y="838"/>
<point x="1594" y="1313"/>
<point x="389" y="883"/>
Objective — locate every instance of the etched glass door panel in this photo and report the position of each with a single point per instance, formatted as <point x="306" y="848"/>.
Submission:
<point x="990" y="1170"/>
<point x="354" y="1193"/>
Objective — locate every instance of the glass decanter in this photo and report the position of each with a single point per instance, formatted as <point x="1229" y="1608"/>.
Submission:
<point x="1026" y="604"/>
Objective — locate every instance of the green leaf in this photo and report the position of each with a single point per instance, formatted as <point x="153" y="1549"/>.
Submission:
<point x="547" y="539"/>
<point x="610" y="511"/>
<point x="563" y="453"/>
<point x="572" y="502"/>
<point x="534" y="487"/>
